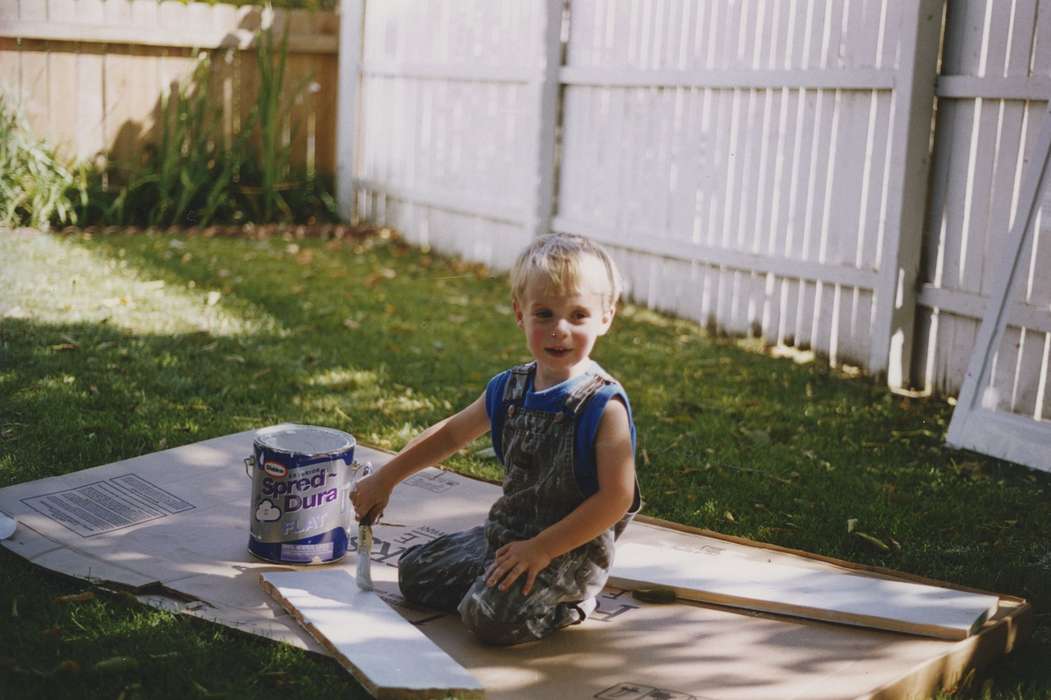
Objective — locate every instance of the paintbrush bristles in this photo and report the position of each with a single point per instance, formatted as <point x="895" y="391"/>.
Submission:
<point x="364" y="576"/>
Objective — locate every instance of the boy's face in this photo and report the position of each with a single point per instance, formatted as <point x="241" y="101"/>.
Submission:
<point x="561" y="329"/>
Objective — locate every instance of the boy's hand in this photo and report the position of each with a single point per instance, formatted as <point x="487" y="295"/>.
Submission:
<point x="370" y="494"/>
<point x="514" y="559"/>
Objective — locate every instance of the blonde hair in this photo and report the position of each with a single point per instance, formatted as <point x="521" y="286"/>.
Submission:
<point x="556" y="261"/>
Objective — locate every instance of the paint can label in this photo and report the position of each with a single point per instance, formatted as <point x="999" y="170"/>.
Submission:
<point x="299" y="507"/>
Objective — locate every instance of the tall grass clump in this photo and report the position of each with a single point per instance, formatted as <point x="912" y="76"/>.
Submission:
<point x="35" y="186"/>
<point x="189" y="174"/>
<point x="269" y="117"/>
<point x="190" y="177"/>
<point x="186" y="176"/>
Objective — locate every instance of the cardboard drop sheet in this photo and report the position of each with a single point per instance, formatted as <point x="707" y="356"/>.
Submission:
<point x="173" y="526"/>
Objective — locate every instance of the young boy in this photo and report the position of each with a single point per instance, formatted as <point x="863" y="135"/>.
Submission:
<point x="562" y="428"/>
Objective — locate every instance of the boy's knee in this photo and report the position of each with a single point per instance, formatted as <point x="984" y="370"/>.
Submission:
<point x="408" y="574"/>
<point x="501" y="618"/>
<point x="484" y="617"/>
<point x="424" y="581"/>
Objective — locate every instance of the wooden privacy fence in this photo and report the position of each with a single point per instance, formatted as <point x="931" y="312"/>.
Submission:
<point x="90" y="74"/>
<point x="766" y="167"/>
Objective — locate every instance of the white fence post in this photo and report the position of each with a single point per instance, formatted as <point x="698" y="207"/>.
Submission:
<point x="352" y="17"/>
<point x="541" y="191"/>
<point x="896" y="294"/>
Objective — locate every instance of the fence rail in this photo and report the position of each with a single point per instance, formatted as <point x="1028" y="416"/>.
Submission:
<point x="90" y="74"/>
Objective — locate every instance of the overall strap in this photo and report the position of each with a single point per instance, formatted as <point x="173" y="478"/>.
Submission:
<point x="517" y="383"/>
<point x="582" y="393"/>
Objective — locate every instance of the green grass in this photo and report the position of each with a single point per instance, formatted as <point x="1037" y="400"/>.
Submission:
<point x="114" y="346"/>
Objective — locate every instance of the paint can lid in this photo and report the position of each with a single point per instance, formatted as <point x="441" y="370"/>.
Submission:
<point x="304" y="439"/>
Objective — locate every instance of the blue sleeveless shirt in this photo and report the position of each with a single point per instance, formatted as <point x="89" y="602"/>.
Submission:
<point x="551" y="400"/>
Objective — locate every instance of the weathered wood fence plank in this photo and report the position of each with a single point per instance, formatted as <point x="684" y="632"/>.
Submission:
<point x="90" y="75"/>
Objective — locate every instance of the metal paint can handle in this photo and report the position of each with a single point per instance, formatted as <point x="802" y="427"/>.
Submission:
<point x="249" y="465"/>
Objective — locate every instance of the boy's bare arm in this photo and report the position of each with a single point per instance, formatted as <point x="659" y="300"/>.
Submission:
<point x="430" y="447"/>
<point x="616" y="477"/>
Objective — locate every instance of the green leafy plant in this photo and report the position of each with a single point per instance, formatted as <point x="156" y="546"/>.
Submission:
<point x="34" y="184"/>
<point x="269" y="116"/>
<point x="188" y="175"/>
<point x="190" y="178"/>
<point x="187" y="172"/>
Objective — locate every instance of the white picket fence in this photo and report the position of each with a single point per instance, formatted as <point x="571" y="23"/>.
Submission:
<point x="766" y="167"/>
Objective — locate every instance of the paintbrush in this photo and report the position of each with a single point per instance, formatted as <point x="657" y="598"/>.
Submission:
<point x="364" y="577"/>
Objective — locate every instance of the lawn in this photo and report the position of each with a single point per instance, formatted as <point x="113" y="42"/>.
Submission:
<point x="114" y="345"/>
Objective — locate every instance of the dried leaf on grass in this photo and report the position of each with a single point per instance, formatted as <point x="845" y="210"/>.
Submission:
<point x="852" y="528"/>
<point x="277" y="679"/>
<point x="116" y="664"/>
<point x="68" y="666"/>
<point x="52" y="632"/>
<point x="875" y="541"/>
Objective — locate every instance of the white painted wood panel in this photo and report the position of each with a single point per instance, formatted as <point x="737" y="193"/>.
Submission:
<point x="386" y="653"/>
<point x="841" y="597"/>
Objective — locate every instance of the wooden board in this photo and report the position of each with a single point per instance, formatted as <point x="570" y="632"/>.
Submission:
<point x="382" y="650"/>
<point x="817" y="594"/>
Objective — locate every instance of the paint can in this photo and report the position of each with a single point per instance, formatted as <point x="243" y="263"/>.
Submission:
<point x="301" y="479"/>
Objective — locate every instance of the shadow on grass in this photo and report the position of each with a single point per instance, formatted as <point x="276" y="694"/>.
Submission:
<point x="108" y="647"/>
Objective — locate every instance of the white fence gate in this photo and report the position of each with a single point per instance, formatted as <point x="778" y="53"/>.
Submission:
<point x="992" y="92"/>
<point x="987" y="417"/>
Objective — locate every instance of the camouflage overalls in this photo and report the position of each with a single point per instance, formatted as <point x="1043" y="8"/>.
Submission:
<point x="539" y="489"/>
